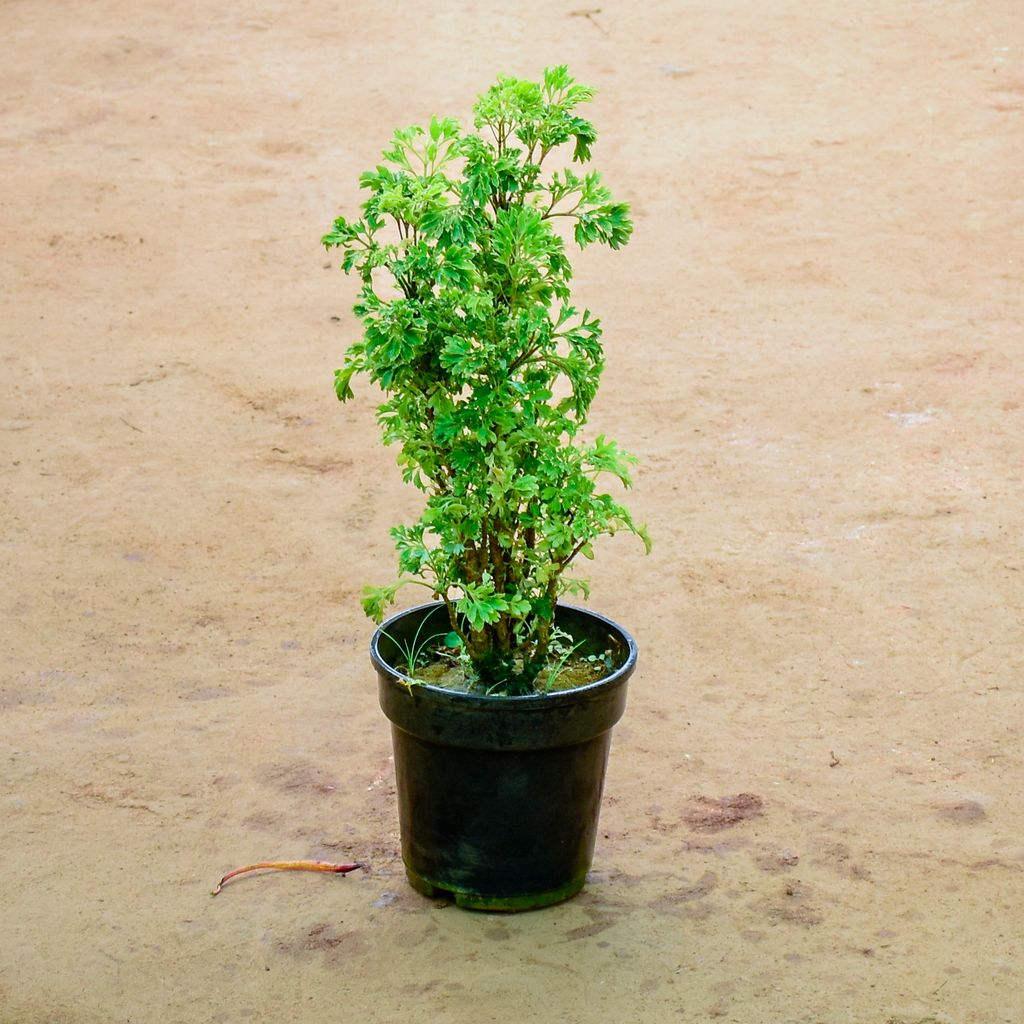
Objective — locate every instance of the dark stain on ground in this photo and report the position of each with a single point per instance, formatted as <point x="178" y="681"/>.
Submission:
<point x="720" y="848"/>
<point x="793" y="906"/>
<point x="298" y="777"/>
<point x="837" y="856"/>
<point x="600" y="918"/>
<point x="708" y="881"/>
<point x="776" y="860"/>
<point x="326" y="938"/>
<point x="584" y="931"/>
<point x="685" y="902"/>
<point x="264" y="821"/>
<point x="708" y="814"/>
<point x="963" y="812"/>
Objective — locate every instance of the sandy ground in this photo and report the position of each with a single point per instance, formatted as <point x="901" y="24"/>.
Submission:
<point x="814" y="345"/>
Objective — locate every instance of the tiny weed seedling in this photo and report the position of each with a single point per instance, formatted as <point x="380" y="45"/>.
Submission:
<point x="560" y="647"/>
<point x="414" y="652"/>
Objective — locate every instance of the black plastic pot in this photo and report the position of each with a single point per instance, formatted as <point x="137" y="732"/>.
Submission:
<point x="498" y="797"/>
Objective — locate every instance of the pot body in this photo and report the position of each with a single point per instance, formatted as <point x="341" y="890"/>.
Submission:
<point x="498" y="797"/>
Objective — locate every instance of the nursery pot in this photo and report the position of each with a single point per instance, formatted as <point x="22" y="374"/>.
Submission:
<point x="498" y="797"/>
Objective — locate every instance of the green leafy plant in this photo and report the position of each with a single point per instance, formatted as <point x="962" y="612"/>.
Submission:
<point x="487" y="368"/>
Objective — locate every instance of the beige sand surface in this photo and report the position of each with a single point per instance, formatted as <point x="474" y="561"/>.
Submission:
<point x="814" y="345"/>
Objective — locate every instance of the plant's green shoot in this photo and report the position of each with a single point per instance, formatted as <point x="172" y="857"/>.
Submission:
<point x="376" y="600"/>
<point x="556" y="670"/>
<point x="414" y="651"/>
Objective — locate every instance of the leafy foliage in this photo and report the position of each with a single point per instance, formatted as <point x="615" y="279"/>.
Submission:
<point x="487" y="368"/>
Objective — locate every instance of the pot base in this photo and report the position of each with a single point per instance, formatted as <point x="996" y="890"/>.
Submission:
<point x="499" y="904"/>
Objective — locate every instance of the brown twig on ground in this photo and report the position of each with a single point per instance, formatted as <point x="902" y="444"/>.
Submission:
<point x="589" y="15"/>
<point x="288" y="865"/>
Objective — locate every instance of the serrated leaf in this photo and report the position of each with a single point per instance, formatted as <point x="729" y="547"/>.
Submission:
<point x="342" y="387"/>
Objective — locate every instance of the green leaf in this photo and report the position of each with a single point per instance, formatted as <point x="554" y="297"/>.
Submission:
<point x="376" y="600"/>
<point x="342" y="387"/>
<point x="606" y="457"/>
<point x="642" y="533"/>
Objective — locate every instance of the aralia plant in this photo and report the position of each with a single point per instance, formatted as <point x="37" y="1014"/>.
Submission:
<point x="486" y="367"/>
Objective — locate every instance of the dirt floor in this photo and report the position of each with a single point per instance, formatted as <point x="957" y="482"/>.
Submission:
<point x="815" y="804"/>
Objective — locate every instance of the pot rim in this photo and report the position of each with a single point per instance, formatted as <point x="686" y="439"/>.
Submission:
<point x="625" y="670"/>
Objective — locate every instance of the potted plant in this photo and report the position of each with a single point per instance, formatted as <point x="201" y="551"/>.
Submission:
<point x="501" y="699"/>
